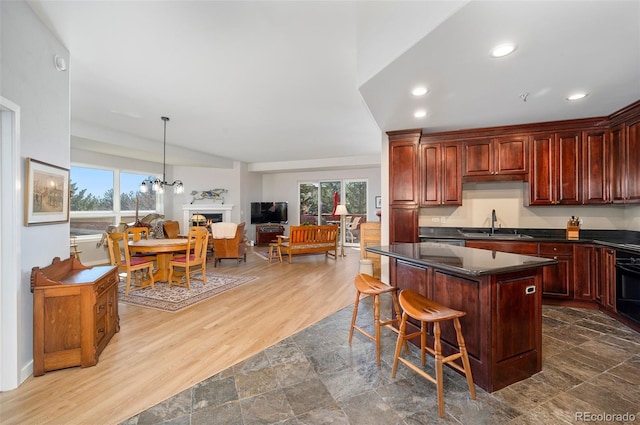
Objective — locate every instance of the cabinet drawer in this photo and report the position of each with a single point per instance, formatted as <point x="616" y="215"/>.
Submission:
<point x="547" y="248"/>
<point x="105" y="283"/>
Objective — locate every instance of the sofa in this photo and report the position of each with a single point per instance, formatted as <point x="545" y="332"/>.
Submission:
<point x="310" y="239"/>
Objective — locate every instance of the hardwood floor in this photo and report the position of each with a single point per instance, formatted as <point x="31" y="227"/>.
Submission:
<point x="157" y="354"/>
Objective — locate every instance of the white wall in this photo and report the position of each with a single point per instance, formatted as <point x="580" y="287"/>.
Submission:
<point x="200" y="179"/>
<point x="508" y="199"/>
<point x="30" y="80"/>
<point x="284" y="187"/>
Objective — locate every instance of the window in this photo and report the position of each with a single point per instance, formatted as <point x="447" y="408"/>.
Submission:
<point x="318" y="201"/>
<point x="94" y="205"/>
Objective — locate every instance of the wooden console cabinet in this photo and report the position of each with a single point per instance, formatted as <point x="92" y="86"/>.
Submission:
<point x="75" y="314"/>
<point x="266" y="233"/>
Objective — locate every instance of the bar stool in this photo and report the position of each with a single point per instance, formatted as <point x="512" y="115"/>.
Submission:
<point x="368" y="285"/>
<point x="426" y="311"/>
<point x="274" y="246"/>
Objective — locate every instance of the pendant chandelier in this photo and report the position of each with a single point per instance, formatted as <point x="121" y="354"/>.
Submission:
<point x="158" y="185"/>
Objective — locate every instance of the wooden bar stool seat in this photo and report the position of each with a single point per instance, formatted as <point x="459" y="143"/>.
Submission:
<point x="426" y="311"/>
<point x="368" y="285"/>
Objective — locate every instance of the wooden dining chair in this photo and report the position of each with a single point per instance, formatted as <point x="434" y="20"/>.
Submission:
<point x="119" y="255"/>
<point x="135" y="234"/>
<point x="193" y="260"/>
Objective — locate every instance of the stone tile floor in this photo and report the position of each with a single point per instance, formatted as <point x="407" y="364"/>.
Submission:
<point x="591" y="364"/>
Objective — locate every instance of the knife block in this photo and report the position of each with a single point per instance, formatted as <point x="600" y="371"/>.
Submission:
<point x="573" y="232"/>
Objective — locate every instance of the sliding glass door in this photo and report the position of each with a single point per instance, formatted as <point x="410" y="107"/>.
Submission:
<point x="318" y="201"/>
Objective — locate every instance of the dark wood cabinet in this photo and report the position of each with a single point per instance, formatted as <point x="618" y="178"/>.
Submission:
<point x="557" y="280"/>
<point x="625" y="159"/>
<point x="585" y="272"/>
<point x="440" y="174"/>
<point x="596" y="166"/>
<point x="501" y="158"/>
<point x="403" y="186"/>
<point x="606" y="288"/>
<point x="403" y="168"/>
<point x="267" y="233"/>
<point x="403" y="224"/>
<point x="555" y="172"/>
<point x="502" y="325"/>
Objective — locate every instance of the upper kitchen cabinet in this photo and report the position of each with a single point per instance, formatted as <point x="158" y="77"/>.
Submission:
<point x="596" y="166"/>
<point x="625" y="158"/>
<point x="440" y="174"/>
<point x="403" y="185"/>
<point x="495" y="159"/>
<point x="555" y="172"/>
<point x="403" y="167"/>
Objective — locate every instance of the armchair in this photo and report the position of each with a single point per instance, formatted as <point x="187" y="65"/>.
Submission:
<point x="227" y="243"/>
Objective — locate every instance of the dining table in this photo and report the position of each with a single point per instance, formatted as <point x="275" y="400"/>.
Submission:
<point x="163" y="249"/>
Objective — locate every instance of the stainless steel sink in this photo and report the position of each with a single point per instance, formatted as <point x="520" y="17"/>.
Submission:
<point x="501" y="236"/>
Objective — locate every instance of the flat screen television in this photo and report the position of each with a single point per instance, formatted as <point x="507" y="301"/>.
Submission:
<point x="269" y="212"/>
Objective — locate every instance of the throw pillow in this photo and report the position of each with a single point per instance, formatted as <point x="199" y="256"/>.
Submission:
<point x="158" y="229"/>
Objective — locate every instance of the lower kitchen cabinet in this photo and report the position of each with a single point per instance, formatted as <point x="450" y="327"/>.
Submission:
<point x="585" y="272"/>
<point x="557" y="281"/>
<point x="606" y="288"/>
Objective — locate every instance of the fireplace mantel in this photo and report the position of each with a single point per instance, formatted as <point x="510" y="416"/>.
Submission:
<point x="205" y="208"/>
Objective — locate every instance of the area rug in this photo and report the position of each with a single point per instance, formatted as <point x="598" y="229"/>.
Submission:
<point x="178" y="298"/>
<point x="262" y="254"/>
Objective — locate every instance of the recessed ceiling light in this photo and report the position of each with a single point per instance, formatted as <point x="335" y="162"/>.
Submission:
<point x="419" y="91"/>
<point x="502" y="50"/>
<point x="420" y="113"/>
<point x="577" y="96"/>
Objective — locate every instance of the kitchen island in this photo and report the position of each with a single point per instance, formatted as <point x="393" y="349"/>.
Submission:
<point x="500" y="292"/>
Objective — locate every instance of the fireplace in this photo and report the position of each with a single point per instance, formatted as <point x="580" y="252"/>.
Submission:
<point x="214" y="212"/>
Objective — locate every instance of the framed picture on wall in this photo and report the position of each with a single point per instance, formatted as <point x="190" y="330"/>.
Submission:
<point x="378" y="202"/>
<point x="46" y="193"/>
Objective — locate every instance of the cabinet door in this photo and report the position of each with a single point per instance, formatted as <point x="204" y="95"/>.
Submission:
<point x="541" y="178"/>
<point x="451" y="173"/>
<point x="633" y="164"/>
<point x="403" y="172"/>
<point x="430" y="174"/>
<point x="403" y="224"/>
<point x="555" y="174"/>
<point x="478" y="158"/>
<point x="618" y="164"/>
<point x="567" y="169"/>
<point x="595" y="167"/>
<point x="510" y="155"/>
<point x="608" y="278"/>
<point x="440" y="174"/>
<point x="584" y="272"/>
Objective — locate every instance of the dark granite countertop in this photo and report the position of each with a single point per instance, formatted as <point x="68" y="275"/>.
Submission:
<point x="458" y="259"/>
<point x="620" y="239"/>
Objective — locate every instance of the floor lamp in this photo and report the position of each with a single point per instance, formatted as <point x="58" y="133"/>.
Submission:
<point x="341" y="210"/>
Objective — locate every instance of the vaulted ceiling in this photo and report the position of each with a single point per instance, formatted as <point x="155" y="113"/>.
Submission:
<point x="280" y="82"/>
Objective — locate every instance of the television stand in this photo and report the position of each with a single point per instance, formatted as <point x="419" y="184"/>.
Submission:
<point x="266" y="233"/>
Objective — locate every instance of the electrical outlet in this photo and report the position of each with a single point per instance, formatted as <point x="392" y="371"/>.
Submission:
<point x="435" y="220"/>
<point x="443" y="219"/>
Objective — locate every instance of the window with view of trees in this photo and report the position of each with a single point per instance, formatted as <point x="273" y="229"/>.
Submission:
<point x="94" y="205"/>
<point x="319" y="199"/>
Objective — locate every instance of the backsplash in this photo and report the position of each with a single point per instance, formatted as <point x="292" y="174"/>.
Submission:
<point x="508" y="199"/>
